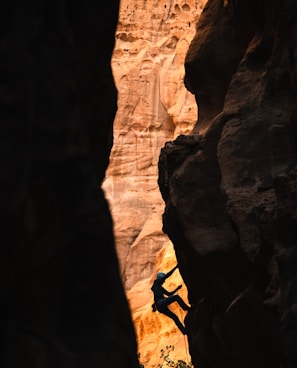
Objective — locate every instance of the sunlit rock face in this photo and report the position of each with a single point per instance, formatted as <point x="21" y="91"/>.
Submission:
<point x="154" y="330"/>
<point x="154" y="106"/>
<point x="230" y="187"/>
<point x="62" y="303"/>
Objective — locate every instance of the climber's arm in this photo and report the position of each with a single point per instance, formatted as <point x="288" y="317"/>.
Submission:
<point x="171" y="272"/>
<point x="175" y="290"/>
<point x="168" y="293"/>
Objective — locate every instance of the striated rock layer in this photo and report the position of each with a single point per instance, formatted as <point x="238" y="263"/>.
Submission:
<point x="152" y="39"/>
<point x="230" y="187"/>
<point x="62" y="304"/>
<point x="154" y="106"/>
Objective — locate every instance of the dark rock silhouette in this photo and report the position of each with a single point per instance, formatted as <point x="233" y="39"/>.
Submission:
<point x="164" y="298"/>
<point x="230" y="187"/>
<point x="61" y="301"/>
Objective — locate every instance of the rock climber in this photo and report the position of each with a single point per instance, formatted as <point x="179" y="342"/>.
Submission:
<point x="161" y="302"/>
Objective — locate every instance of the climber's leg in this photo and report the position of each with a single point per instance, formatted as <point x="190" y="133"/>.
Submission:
<point x="170" y="314"/>
<point x="177" y="298"/>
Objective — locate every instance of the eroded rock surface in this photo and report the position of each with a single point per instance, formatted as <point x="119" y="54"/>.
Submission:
<point x="152" y="39"/>
<point x="62" y="303"/>
<point x="154" y="106"/>
<point x="154" y="330"/>
<point x="230" y="187"/>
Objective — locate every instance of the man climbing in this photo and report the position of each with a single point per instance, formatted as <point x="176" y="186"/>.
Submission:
<point x="162" y="302"/>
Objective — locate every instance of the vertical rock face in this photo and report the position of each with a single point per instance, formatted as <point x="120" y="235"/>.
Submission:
<point x="230" y="187"/>
<point x="61" y="299"/>
<point x="153" y="106"/>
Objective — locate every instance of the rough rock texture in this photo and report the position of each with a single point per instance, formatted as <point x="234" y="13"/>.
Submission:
<point x="230" y="187"/>
<point x="152" y="39"/>
<point x="61" y="299"/>
<point x="154" y="106"/>
<point x="155" y="331"/>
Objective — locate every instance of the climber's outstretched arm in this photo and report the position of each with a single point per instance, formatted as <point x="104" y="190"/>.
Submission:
<point x="171" y="272"/>
<point x="175" y="290"/>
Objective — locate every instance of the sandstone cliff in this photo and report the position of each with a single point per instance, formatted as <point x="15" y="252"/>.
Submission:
<point x="230" y="187"/>
<point x="61" y="299"/>
<point x="154" y="106"/>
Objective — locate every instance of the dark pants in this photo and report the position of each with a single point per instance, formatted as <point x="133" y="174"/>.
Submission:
<point x="162" y="307"/>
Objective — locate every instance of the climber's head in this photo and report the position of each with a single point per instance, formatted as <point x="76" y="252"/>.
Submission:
<point x="160" y="275"/>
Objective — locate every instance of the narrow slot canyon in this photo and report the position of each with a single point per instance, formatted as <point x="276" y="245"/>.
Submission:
<point x="154" y="107"/>
<point x="135" y="135"/>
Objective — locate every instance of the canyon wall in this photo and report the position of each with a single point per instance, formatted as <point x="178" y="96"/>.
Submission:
<point x="152" y="39"/>
<point x="230" y="187"/>
<point x="62" y="302"/>
<point x="153" y="106"/>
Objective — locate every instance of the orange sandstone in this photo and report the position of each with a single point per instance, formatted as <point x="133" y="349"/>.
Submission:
<point x="152" y="39"/>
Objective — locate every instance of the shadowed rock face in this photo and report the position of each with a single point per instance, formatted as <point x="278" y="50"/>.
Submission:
<point x="230" y="187"/>
<point x="61" y="298"/>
